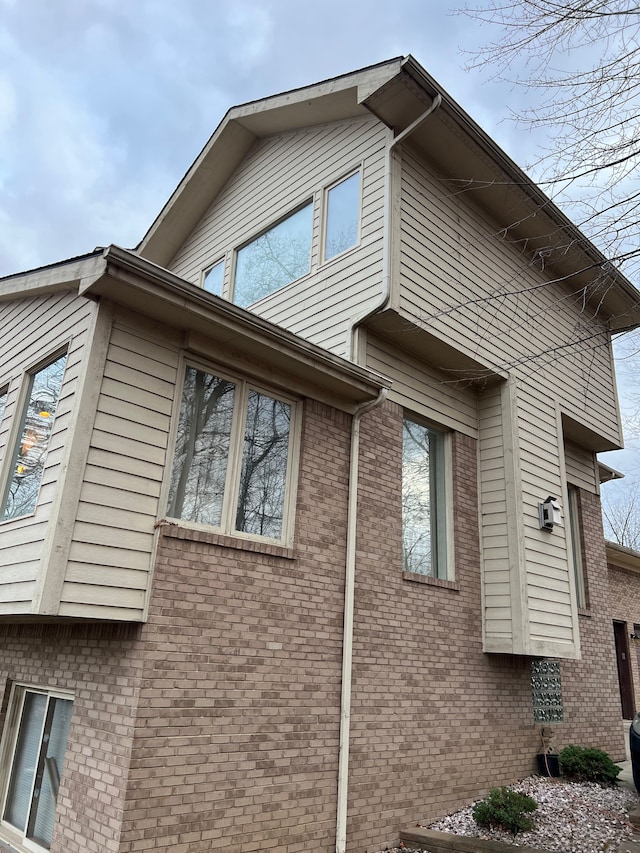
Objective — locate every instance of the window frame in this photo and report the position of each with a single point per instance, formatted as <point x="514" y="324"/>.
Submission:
<point x="358" y="170"/>
<point x="309" y="201"/>
<point x="205" y="272"/>
<point x="8" y="746"/>
<point x="443" y="525"/>
<point x="574" y="546"/>
<point x="318" y="200"/>
<point x="9" y="460"/>
<point x="244" y="384"/>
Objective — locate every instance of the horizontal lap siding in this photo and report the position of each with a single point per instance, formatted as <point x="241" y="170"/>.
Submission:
<point x="110" y="557"/>
<point x="551" y="615"/>
<point x="280" y="173"/>
<point x="494" y="541"/>
<point x="424" y="390"/>
<point x="460" y="278"/>
<point x="580" y="465"/>
<point x="33" y="330"/>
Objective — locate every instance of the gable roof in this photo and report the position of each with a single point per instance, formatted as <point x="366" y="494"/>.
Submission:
<point x="399" y="93"/>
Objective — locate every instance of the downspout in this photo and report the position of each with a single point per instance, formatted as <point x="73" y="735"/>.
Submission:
<point x="350" y="568"/>
<point x="386" y="225"/>
<point x="347" y="640"/>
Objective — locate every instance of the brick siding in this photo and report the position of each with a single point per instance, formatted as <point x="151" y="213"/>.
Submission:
<point x="100" y="665"/>
<point x="624" y="605"/>
<point x="238" y="722"/>
<point x="593" y="716"/>
<point x="216" y="724"/>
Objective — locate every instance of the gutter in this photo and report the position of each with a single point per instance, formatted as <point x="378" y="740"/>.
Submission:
<point x="386" y="224"/>
<point x="350" y="568"/>
<point x="347" y="641"/>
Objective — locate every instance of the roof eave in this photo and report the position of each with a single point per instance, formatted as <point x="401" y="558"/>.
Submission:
<point x="331" y="100"/>
<point x="148" y="289"/>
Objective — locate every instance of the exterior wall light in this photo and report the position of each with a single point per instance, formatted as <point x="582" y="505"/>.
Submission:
<point x="550" y="513"/>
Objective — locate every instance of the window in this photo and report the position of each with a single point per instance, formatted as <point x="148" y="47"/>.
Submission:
<point x="29" y="456"/>
<point x="575" y="545"/>
<point x="213" y="277"/>
<point x="36" y="742"/>
<point x="423" y="500"/>
<point x="342" y="216"/>
<point x="276" y="258"/>
<point x="3" y="401"/>
<point x="233" y="457"/>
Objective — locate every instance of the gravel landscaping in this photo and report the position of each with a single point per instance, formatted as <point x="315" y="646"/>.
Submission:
<point x="570" y="818"/>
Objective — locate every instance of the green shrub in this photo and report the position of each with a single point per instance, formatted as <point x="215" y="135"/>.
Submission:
<point x="506" y="809"/>
<point x="585" y="764"/>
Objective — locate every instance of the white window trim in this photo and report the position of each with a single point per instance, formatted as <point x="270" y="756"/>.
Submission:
<point x="7" y="753"/>
<point x="232" y="481"/>
<point x="322" y="260"/>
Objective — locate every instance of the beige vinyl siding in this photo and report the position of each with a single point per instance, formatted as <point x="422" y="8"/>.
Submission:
<point x="465" y="282"/>
<point x="494" y="521"/>
<point x="281" y="173"/>
<point x="528" y="602"/>
<point x="424" y="390"/>
<point x="33" y="330"/>
<point x="108" y="574"/>
<point x="581" y="468"/>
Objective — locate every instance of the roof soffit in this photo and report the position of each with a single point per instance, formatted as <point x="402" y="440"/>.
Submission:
<point x="618" y="555"/>
<point x="66" y="275"/>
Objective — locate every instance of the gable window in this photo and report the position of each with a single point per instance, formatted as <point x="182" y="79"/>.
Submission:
<point x="575" y="545"/>
<point x="30" y="453"/>
<point x="233" y="457"/>
<point x="342" y="216"/>
<point x="275" y="258"/>
<point x="3" y="401"/>
<point x="213" y="277"/>
<point x="423" y="500"/>
<point x="35" y="743"/>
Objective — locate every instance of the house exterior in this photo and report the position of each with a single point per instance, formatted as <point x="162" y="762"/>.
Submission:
<point x="624" y="604"/>
<point x="300" y="535"/>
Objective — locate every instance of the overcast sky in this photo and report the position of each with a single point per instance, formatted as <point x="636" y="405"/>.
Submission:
<point x="104" y="104"/>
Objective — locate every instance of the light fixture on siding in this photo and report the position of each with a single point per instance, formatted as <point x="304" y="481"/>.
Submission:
<point x="550" y="513"/>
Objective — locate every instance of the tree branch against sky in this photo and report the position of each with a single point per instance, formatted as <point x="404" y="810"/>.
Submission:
<point x="579" y="64"/>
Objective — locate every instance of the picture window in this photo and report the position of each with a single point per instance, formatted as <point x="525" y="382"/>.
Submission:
<point x="342" y="216"/>
<point x="275" y="258"/>
<point x="233" y="457"/>
<point x="424" y="541"/>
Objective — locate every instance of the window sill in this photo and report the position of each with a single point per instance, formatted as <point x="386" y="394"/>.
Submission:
<point x="584" y="611"/>
<point x="429" y="581"/>
<point x="223" y="540"/>
<point x="11" y="842"/>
